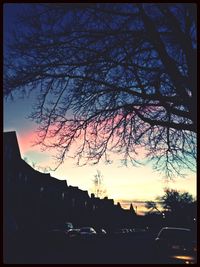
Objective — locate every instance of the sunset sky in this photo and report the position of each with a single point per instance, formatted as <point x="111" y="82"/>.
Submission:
<point x="123" y="184"/>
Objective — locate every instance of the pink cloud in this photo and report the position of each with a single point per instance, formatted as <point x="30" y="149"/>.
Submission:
<point x="27" y="140"/>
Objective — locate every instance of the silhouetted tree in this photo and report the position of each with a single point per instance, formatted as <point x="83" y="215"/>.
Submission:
<point x="175" y="201"/>
<point x="117" y="77"/>
<point x="98" y="189"/>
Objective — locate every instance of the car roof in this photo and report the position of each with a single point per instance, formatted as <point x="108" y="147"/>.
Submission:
<point x="175" y="228"/>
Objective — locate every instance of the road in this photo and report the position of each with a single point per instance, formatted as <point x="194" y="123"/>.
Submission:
<point x="109" y="249"/>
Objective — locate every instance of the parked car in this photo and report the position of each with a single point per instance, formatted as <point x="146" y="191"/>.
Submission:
<point x="68" y="226"/>
<point x="101" y="231"/>
<point x="176" y="244"/>
<point x="125" y="231"/>
<point x="71" y="233"/>
<point x="121" y="231"/>
<point x="87" y="231"/>
<point x="139" y="230"/>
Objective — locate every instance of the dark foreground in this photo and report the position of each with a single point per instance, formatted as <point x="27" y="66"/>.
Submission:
<point x="56" y="248"/>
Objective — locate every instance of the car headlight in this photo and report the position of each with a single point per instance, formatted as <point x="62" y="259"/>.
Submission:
<point x="186" y="259"/>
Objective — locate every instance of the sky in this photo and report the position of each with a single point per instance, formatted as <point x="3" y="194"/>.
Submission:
<point x="124" y="184"/>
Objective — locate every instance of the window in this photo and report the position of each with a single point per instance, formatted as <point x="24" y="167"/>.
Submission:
<point x="73" y="202"/>
<point x="20" y="175"/>
<point x="41" y="189"/>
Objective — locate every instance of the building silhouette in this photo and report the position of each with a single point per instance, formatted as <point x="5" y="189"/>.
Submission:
<point x="35" y="200"/>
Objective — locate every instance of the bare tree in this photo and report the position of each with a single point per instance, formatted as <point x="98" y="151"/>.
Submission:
<point x="98" y="189"/>
<point x="115" y="77"/>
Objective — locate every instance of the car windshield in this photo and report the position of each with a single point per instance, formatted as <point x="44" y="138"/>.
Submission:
<point x="69" y="225"/>
<point x="175" y="234"/>
<point x="86" y="229"/>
